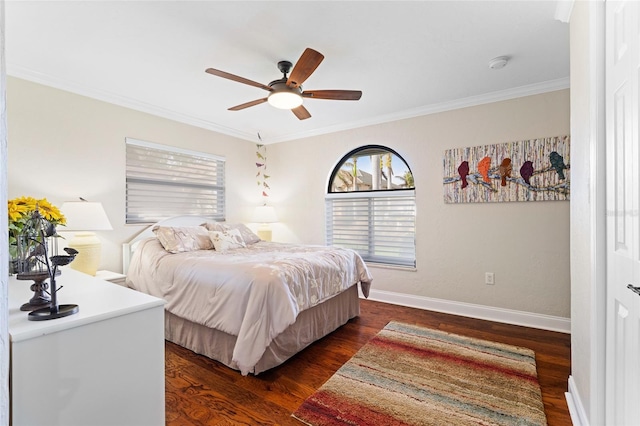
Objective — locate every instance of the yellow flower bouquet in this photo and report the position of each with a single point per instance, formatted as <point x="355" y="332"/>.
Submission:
<point x="21" y="210"/>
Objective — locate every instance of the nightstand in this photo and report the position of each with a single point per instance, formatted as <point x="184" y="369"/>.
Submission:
<point x="110" y="276"/>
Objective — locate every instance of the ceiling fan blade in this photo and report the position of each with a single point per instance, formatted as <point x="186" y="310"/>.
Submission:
<point x="248" y="104"/>
<point x="339" y="95"/>
<point x="237" y="78"/>
<point x="305" y="66"/>
<point x="301" y="112"/>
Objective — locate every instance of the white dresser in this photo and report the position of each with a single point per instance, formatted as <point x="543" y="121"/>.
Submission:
<point x="101" y="366"/>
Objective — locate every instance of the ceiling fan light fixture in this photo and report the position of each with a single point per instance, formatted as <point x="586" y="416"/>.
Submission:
<point x="286" y="92"/>
<point x="285" y="99"/>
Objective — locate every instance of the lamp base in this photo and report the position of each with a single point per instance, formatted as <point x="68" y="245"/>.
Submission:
<point x="89" y="250"/>
<point x="264" y="232"/>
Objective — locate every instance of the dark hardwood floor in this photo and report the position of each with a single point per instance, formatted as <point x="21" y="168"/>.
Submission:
<point x="200" y="391"/>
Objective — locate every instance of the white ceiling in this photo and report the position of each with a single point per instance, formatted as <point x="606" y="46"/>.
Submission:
<point x="408" y="58"/>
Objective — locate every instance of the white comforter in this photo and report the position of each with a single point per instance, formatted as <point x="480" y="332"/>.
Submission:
<point x="253" y="293"/>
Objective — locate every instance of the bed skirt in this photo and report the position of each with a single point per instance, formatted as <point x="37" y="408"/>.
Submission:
<point x="311" y="325"/>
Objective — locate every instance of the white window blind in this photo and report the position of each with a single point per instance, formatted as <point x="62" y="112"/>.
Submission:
<point x="379" y="225"/>
<point x="163" y="181"/>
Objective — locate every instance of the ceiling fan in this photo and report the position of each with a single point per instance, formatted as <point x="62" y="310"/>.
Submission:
<point x="286" y="92"/>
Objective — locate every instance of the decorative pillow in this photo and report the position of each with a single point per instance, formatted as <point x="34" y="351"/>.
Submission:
<point x="183" y="238"/>
<point x="247" y="235"/>
<point x="216" y="226"/>
<point x="226" y="240"/>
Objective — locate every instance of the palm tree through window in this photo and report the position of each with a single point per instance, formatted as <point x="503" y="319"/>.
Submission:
<point x="370" y="206"/>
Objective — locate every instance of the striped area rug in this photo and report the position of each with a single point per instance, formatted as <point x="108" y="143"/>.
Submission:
<point x="409" y="375"/>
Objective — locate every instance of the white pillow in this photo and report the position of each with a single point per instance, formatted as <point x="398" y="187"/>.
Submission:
<point x="183" y="238"/>
<point x="226" y="240"/>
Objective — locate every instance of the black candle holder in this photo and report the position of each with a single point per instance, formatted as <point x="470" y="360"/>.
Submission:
<point x="54" y="310"/>
<point x="33" y="245"/>
<point x="33" y="263"/>
<point x="41" y="298"/>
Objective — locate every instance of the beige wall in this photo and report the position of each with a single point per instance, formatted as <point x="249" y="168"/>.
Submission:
<point x="62" y="146"/>
<point x="526" y="245"/>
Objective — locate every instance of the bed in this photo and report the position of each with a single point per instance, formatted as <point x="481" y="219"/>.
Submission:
<point x="247" y="303"/>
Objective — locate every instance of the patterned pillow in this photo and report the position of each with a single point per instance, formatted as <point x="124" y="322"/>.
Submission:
<point x="216" y="226"/>
<point x="226" y="240"/>
<point x="247" y="235"/>
<point x="183" y="238"/>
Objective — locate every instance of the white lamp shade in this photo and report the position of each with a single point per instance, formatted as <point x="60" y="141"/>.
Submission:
<point x="85" y="216"/>
<point x="265" y="214"/>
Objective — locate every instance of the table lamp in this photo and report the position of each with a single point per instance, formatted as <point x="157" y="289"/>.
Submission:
<point x="85" y="217"/>
<point x="264" y="215"/>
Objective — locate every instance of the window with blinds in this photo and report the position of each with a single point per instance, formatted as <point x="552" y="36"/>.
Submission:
<point x="381" y="228"/>
<point x="371" y="208"/>
<point x="164" y="181"/>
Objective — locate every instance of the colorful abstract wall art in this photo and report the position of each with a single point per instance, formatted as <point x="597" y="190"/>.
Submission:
<point x="529" y="170"/>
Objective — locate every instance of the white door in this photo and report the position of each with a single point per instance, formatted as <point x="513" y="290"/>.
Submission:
<point x="622" y="52"/>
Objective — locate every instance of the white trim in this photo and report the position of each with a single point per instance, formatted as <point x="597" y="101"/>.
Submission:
<point x="5" y="344"/>
<point x="598" y="219"/>
<point x="112" y="98"/>
<point x="487" y="98"/>
<point x="371" y="194"/>
<point x="153" y="145"/>
<point x="576" y="409"/>
<point x="563" y="10"/>
<point x="489" y="313"/>
<point x="387" y="266"/>
<point x="516" y="92"/>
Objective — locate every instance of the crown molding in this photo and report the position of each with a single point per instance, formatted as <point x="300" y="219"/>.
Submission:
<point x="123" y="101"/>
<point x="517" y="92"/>
<point x="503" y="95"/>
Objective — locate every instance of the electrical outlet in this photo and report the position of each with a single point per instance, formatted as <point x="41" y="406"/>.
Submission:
<point x="489" y="278"/>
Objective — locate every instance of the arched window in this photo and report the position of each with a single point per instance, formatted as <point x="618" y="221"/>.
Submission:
<point x="371" y="208"/>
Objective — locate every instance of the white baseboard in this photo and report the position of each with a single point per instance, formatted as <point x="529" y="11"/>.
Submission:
<point x="576" y="409"/>
<point x="527" y="319"/>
